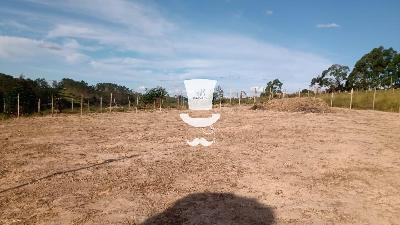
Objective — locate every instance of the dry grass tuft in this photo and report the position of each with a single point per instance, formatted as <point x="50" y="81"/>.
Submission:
<point x="258" y="107"/>
<point x="307" y="105"/>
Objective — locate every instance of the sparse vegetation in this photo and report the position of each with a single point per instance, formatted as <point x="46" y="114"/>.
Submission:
<point x="385" y="100"/>
<point x="307" y="105"/>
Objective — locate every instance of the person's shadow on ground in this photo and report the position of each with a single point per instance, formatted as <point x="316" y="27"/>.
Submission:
<point x="214" y="208"/>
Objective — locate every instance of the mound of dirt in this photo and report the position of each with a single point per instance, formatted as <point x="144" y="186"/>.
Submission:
<point x="258" y="107"/>
<point x="308" y="105"/>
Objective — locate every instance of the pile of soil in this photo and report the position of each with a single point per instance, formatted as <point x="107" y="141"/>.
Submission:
<point x="308" y="105"/>
<point x="258" y="107"/>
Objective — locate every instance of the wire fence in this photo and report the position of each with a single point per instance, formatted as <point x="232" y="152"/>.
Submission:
<point x="55" y="105"/>
<point x="383" y="100"/>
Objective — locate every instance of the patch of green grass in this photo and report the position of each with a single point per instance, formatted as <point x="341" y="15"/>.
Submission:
<point x="385" y="100"/>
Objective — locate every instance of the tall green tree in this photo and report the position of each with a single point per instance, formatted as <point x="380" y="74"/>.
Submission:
<point x="120" y="93"/>
<point x="11" y="87"/>
<point x="154" y="94"/>
<point x="73" y="88"/>
<point x="333" y="79"/>
<point x="393" y="71"/>
<point x="273" y="86"/>
<point x="372" y="70"/>
<point x="218" y="94"/>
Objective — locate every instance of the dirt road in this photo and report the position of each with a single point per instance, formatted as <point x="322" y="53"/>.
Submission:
<point x="265" y="167"/>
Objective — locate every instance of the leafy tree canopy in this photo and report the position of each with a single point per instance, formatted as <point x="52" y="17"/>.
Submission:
<point x="273" y="86"/>
<point x="377" y="69"/>
<point x="333" y="79"/>
<point x="218" y="94"/>
<point x="30" y="91"/>
<point x="153" y="94"/>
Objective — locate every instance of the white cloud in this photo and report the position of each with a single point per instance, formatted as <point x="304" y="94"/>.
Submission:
<point x="133" y="15"/>
<point x="328" y="25"/>
<point x="222" y="57"/>
<point x="63" y="30"/>
<point x="269" y="12"/>
<point x="158" y="51"/>
<point x="25" y="49"/>
<point x="74" y="44"/>
<point x="12" y="48"/>
<point x="14" y="24"/>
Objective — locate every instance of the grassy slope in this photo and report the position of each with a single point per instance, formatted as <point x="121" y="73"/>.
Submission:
<point x="385" y="100"/>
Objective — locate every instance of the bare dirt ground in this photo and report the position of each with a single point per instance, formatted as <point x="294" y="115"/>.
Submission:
<point x="266" y="167"/>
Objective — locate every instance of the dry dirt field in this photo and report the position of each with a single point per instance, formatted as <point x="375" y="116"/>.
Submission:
<point x="265" y="168"/>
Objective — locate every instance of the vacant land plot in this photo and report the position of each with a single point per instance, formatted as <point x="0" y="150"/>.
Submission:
<point x="266" y="167"/>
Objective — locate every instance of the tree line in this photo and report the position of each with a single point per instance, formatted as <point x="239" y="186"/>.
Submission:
<point x="380" y="69"/>
<point x="65" y="91"/>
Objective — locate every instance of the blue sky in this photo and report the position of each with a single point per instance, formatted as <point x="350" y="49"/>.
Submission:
<point x="242" y="44"/>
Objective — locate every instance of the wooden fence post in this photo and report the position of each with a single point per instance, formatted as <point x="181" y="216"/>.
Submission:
<point x="270" y="93"/>
<point x="299" y="94"/>
<point x="391" y="83"/>
<point x="137" y="103"/>
<point x="351" y="98"/>
<point x="81" y="105"/>
<point x="72" y="105"/>
<point x="230" y="96"/>
<point x="316" y="92"/>
<point x="4" y="105"/>
<point x="38" y="106"/>
<point x="18" y="105"/>
<point x="255" y="93"/>
<point x="88" y="106"/>
<point x="332" y="99"/>
<point x="101" y="104"/>
<point x="111" y="101"/>
<point x="129" y="104"/>
<point x="52" y="105"/>
<point x="373" y="101"/>
<point x="308" y="93"/>
<point x="161" y="103"/>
